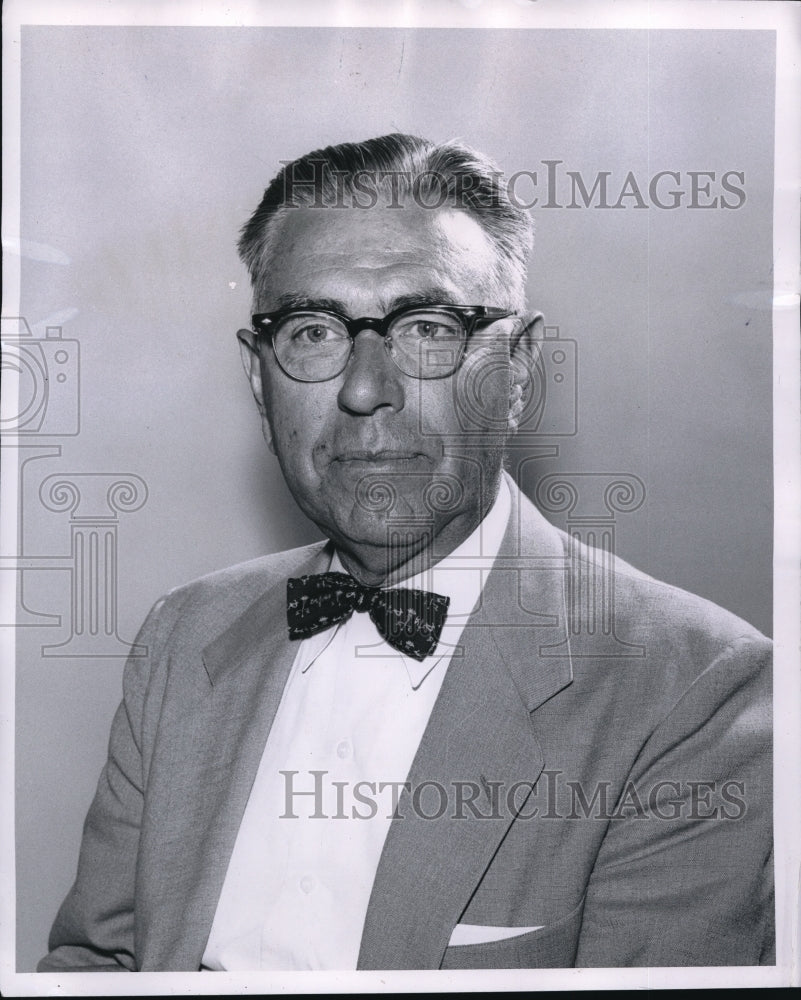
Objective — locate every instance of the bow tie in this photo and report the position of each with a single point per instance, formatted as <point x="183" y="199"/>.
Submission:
<point x="410" y="620"/>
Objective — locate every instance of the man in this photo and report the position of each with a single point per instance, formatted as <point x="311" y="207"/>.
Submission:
<point x="397" y="750"/>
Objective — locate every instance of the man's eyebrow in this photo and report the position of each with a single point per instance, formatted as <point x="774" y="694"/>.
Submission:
<point x="294" y="300"/>
<point x="430" y="296"/>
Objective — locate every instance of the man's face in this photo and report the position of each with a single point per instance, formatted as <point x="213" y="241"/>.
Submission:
<point x="338" y="441"/>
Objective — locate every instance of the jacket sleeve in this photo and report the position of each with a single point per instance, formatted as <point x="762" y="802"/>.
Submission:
<point x="94" y="928"/>
<point x="684" y="875"/>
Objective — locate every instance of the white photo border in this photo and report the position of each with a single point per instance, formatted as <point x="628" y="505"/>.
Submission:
<point x="782" y="17"/>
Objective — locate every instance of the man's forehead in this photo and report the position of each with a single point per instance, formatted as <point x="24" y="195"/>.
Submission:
<point x="381" y="231"/>
<point x="393" y="249"/>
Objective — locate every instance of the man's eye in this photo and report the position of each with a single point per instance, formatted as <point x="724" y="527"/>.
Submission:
<point x="428" y="330"/>
<point x="315" y="333"/>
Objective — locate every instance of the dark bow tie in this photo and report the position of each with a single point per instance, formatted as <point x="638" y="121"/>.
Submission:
<point x="410" y="620"/>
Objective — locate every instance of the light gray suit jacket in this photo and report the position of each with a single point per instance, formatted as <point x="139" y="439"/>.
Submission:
<point x="678" y="728"/>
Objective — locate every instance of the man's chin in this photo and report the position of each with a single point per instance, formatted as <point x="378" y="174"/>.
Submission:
<point x="386" y="528"/>
<point x="386" y="514"/>
<point x="379" y="541"/>
<point x="400" y="490"/>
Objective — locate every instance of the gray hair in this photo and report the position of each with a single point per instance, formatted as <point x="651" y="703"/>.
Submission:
<point x="397" y="167"/>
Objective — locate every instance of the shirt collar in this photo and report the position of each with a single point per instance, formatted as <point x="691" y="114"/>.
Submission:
<point x="460" y="575"/>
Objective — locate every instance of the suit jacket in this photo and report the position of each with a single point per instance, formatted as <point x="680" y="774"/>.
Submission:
<point x="623" y="761"/>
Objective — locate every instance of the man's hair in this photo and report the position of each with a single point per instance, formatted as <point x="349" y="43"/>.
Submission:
<point x="397" y="169"/>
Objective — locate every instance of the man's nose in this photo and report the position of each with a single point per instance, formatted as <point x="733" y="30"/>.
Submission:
<point x="372" y="379"/>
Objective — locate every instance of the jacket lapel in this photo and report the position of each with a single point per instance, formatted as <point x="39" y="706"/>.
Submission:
<point x="217" y="736"/>
<point x="480" y="737"/>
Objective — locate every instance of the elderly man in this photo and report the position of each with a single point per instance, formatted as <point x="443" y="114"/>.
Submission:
<point x="390" y="751"/>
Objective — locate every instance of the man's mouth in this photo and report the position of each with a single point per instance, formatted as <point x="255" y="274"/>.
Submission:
<point x="383" y="456"/>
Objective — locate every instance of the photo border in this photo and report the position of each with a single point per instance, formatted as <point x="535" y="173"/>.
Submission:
<point x="785" y="19"/>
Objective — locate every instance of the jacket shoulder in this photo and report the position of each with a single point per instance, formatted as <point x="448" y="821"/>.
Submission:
<point x="208" y="603"/>
<point x="249" y="576"/>
<point x="664" y="608"/>
<point x="665" y="637"/>
<point x="603" y="591"/>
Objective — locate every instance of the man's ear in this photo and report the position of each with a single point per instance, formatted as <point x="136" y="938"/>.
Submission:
<point x="250" y="362"/>
<point x="523" y="353"/>
<point x="252" y="365"/>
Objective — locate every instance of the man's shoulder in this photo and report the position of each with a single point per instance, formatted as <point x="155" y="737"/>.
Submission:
<point x="656" y="607"/>
<point x="227" y="593"/>
<point x="640" y="644"/>
<point x="606" y="595"/>
<point x="659" y="634"/>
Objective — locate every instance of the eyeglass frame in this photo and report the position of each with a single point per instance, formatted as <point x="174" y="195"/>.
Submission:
<point x="470" y="316"/>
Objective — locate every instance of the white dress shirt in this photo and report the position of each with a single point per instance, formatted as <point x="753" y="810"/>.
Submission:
<point x="349" y="723"/>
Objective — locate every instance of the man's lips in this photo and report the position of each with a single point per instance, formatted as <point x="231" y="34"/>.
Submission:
<point x="379" y="457"/>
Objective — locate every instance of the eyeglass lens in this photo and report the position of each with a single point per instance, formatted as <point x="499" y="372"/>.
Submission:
<point x="423" y="343"/>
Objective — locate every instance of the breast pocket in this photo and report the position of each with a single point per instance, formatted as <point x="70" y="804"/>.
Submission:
<point x="551" y="947"/>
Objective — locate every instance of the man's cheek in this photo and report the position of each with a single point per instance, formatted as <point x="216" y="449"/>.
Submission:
<point x="290" y="431"/>
<point x="481" y="399"/>
<point x="293" y="450"/>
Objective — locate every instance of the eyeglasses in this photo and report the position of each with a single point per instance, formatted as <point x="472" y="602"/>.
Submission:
<point x="423" y="341"/>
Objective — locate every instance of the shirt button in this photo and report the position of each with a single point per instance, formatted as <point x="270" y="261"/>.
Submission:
<point x="307" y="884"/>
<point x="343" y="749"/>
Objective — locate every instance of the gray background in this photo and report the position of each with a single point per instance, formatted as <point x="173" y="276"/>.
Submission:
<point x="144" y="150"/>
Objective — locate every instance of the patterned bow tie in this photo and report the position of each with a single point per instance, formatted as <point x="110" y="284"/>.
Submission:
<point x="410" y="620"/>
